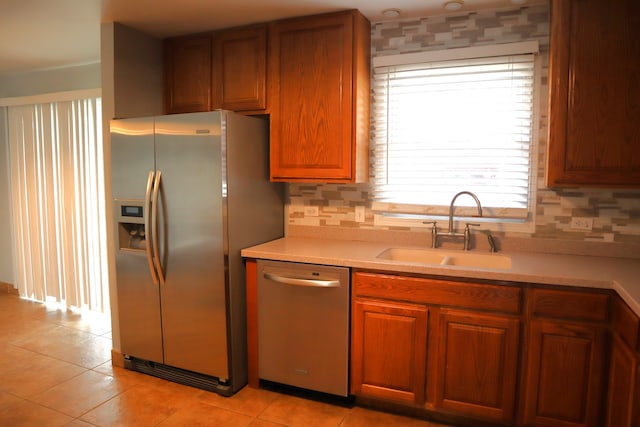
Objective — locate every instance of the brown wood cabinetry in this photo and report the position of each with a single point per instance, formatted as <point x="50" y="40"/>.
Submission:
<point x="187" y="74"/>
<point x="388" y="347"/>
<point x="594" y="130"/>
<point x="319" y="98"/>
<point x="564" y="370"/>
<point x="226" y="69"/>
<point x="564" y="374"/>
<point x="317" y="93"/>
<point x="239" y="69"/>
<point x="623" y="398"/>
<point x="476" y="366"/>
<point x="472" y="356"/>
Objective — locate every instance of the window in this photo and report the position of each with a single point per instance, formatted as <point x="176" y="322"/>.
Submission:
<point x="463" y="121"/>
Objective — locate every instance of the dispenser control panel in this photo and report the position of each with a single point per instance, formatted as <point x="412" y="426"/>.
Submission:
<point x="131" y="211"/>
<point x="130" y="227"/>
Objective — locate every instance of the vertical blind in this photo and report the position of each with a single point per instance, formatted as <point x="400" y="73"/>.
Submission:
<point x="447" y="126"/>
<point x="57" y="188"/>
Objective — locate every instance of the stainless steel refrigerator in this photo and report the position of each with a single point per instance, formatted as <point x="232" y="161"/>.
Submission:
<point x="190" y="191"/>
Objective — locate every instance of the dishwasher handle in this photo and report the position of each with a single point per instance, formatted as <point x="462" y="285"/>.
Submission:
<point x="302" y="282"/>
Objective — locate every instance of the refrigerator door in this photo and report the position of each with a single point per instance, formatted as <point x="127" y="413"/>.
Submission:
<point x="189" y="156"/>
<point x="132" y="158"/>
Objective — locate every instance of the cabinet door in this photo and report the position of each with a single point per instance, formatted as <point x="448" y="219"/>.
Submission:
<point x="317" y="72"/>
<point x="622" y="376"/>
<point x="388" y="350"/>
<point x="563" y="384"/>
<point x="239" y="69"/>
<point x="477" y="362"/>
<point x="187" y="74"/>
<point x="594" y="63"/>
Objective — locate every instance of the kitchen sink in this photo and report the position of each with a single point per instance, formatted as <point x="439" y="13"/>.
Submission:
<point x="467" y="259"/>
<point x="439" y="257"/>
<point x="424" y="256"/>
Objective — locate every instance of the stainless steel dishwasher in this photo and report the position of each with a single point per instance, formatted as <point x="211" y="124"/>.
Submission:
<point x="303" y="326"/>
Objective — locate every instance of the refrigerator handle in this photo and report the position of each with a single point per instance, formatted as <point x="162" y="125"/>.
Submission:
<point x="154" y="227"/>
<point x="147" y="227"/>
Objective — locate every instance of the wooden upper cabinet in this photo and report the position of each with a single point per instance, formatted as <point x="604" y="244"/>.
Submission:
<point x="239" y="69"/>
<point x="319" y="98"/>
<point x="594" y="98"/>
<point x="187" y="74"/>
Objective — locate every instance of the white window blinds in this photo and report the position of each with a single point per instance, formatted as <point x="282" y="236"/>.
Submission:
<point x="57" y="178"/>
<point x="448" y="126"/>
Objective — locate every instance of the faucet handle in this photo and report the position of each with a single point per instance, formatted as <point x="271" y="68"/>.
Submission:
<point x="467" y="234"/>
<point x="434" y="232"/>
<point x="492" y="243"/>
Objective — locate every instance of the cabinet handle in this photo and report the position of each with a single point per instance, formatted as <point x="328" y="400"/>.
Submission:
<point x="302" y="282"/>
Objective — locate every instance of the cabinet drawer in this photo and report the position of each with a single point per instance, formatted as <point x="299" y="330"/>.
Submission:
<point x="626" y="324"/>
<point x="575" y="305"/>
<point x="502" y="298"/>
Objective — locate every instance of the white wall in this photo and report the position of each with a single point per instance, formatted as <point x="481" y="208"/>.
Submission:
<point x="6" y="269"/>
<point x="50" y="80"/>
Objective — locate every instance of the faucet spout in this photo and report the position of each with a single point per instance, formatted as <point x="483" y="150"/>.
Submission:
<point x="453" y="201"/>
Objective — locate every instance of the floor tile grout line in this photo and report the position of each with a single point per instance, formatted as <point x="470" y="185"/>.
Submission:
<point x="60" y="360"/>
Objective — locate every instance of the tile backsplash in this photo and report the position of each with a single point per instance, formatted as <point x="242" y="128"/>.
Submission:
<point x="615" y="213"/>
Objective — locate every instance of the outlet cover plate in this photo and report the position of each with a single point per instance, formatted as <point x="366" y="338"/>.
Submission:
<point x="311" y="211"/>
<point x="581" y="223"/>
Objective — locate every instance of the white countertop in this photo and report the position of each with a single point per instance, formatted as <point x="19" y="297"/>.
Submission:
<point x="619" y="274"/>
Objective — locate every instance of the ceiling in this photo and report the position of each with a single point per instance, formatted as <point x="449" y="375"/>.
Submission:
<point x="40" y="34"/>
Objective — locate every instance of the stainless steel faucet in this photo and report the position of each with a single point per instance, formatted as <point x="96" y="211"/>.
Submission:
<point x="453" y="201"/>
<point x="467" y="231"/>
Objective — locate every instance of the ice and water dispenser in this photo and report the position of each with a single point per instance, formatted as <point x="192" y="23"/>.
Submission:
<point x="130" y="225"/>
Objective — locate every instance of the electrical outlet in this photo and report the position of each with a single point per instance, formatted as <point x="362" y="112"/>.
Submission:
<point x="581" y="223"/>
<point x="311" y="211"/>
<point x="359" y="213"/>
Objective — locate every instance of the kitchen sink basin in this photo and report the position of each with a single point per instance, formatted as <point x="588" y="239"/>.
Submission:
<point x="467" y="259"/>
<point x="439" y="257"/>
<point x="424" y="256"/>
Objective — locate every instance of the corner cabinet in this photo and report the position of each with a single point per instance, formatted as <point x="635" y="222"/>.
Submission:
<point x="623" y="399"/>
<point x="319" y="71"/>
<point x="594" y="64"/>
<point x="187" y="75"/>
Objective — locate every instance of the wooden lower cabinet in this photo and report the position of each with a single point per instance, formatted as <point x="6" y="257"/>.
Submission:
<point x="623" y="374"/>
<point x="476" y="368"/>
<point x="564" y="374"/>
<point x="388" y="347"/>
<point x="623" y="388"/>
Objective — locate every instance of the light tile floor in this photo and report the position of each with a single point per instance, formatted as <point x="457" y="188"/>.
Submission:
<point x="55" y="370"/>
